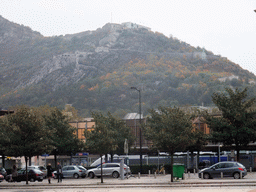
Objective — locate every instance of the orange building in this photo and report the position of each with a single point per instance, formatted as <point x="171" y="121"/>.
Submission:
<point x="198" y="123"/>
<point x="81" y="126"/>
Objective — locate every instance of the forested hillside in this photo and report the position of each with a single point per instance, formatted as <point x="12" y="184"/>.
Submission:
<point x="94" y="70"/>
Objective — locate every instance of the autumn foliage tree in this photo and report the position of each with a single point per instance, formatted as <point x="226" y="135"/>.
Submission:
<point x="237" y="125"/>
<point x="169" y="129"/>
<point x="25" y="133"/>
<point x="107" y="136"/>
<point x="62" y="137"/>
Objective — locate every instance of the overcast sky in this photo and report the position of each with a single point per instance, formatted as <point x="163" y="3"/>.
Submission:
<point x="225" y="27"/>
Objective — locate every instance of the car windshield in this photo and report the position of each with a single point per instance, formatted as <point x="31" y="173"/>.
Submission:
<point x="37" y="171"/>
<point x="21" y="171"/>
<point x="82" y="168"/>
<point x="103" y="166"/>
<point x="1" y="168"/>
<point x="42" y="168"/>
<point x="240" y="165"/>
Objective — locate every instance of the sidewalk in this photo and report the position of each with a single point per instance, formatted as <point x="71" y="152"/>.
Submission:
<point x="191" y="180"/>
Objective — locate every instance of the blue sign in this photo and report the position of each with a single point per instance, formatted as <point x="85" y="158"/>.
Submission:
<point x="45" y="155"/>
<point x="82" y="154"/>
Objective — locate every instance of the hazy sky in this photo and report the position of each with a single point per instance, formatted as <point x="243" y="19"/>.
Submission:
<point x="225" y="27"/>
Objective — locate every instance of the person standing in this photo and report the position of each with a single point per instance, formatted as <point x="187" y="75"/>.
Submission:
<point x="59" y="172"/>
<point x="49" y="172"/>
<point x="14" y="173"/>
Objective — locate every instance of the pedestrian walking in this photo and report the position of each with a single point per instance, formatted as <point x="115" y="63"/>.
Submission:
<point x="14" y="173"/>
<point x="49" y="172"/>
<point x="59" y="172"/>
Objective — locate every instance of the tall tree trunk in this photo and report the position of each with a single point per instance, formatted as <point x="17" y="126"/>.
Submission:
<point x="55" y="159"/>
<point x="106" y="158"/>
<point x="237" y="153"/>
<point x="198" y="159"/>
<point x="26" y="161"/>
<point x="112" y="157"/>
<point x="192" y="161"/>
<point x="172" y="166"/>
<point x="30" y="161"/>
<point x="101" y="172"/>
<point x="3" y="160"/>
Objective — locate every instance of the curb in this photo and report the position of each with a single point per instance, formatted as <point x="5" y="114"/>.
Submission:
<point x="130" y="185"/>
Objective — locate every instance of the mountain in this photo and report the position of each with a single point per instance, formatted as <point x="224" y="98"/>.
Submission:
<point x="94" y="70"/>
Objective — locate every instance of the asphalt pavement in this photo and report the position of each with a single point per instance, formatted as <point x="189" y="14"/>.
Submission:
<point x="191" y="180"/>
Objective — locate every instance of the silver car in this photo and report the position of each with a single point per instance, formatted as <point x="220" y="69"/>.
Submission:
<point x="74" y="171"/>
<point x="108" y="169"/>
<point x="225" y="169"/>
<point x="41" y="168"/>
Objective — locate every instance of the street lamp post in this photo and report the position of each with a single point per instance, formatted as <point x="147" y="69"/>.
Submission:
<point x="140" y="128"/>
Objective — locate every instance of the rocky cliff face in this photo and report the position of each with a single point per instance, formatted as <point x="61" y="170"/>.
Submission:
<point x="70" y="67"/>
<point x="60" y="70"/>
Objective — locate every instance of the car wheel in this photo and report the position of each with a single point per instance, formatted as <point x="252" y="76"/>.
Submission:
<point x="115" y="174"/>
<point x="91" y="175"/>
<point x="76" y="176"/>
<point x="206" y="176"/>
<point x="32" y="180"/>
<point x="236" y="176"/>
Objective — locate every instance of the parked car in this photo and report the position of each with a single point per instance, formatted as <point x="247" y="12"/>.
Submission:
<point x="1" y="177"/>
<point x="108" y="169"/>
<point x="33" y="175"/>
<point x="74" y="171"/>
<point x="226" y="168"/>
<point x="41" y="168"/>
<point x="3" y="171"/>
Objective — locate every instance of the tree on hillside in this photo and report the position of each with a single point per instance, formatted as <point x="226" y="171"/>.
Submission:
<point x="62" y="136"/>
<point x="237" y="124"/>
<point x="170" y="129"/>
<point x="25" y="134"/>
